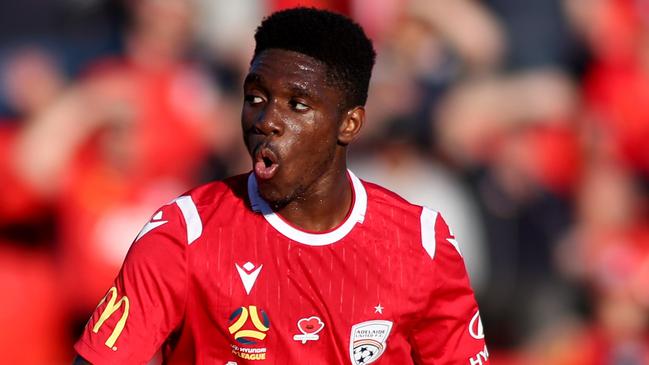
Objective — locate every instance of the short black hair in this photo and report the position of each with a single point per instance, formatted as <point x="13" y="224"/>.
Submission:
<point x="331" y="38"/>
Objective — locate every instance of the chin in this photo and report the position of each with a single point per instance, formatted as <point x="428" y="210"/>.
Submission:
<point x="270" y="193"/>
<point x="275" y="197"/>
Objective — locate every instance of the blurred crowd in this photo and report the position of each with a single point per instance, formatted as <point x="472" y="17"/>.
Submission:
<point x="525" y="122"/>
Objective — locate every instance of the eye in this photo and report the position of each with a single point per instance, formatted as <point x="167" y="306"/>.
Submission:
<point x="299" y="106"/>
<point x="253" y="99"/>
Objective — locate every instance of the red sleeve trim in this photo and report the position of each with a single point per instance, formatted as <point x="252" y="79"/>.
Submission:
<point x="85" y="350"/>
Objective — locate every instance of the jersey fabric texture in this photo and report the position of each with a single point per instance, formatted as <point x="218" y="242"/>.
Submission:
<point x="216" y="277"/>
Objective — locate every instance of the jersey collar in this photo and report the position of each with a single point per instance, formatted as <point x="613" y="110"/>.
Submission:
<point x="357" y="215"/>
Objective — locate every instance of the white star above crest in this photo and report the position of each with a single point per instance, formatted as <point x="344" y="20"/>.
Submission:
<point x="378" y="309"/>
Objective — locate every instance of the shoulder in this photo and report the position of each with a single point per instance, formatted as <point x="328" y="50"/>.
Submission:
<point x="427" y="225"/>
<point x="385" y="204"/>
<point x="184" y="218"/>
<point x="230" y="191"/>
<point x="380" y="197"/>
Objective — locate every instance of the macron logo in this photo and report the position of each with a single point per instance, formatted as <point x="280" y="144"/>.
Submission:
<point x="248" y="275"/>
<point x="155" y="222"/>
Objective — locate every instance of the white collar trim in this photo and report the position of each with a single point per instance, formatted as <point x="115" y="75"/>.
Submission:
<point x="357" y="215"/>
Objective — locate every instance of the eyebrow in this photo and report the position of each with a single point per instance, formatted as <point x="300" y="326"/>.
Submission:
<point x="294" y="88"/>
<point x="300" y="91"/>
<point x="253" y="77"/>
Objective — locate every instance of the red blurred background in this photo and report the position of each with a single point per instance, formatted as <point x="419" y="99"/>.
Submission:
<point x="524" y="121"/>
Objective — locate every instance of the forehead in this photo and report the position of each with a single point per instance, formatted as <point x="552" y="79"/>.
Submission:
<point x="288" y="68"/>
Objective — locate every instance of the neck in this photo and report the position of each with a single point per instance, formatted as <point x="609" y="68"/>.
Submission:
<point x="324" y="206"/>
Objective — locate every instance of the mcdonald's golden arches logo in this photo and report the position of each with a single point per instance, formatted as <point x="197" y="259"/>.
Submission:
<point x="112" y="307"/>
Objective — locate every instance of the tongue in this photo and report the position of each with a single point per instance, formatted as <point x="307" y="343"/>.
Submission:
<point x="263" y="172"/>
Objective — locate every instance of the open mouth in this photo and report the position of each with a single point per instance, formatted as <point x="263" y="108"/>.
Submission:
<point x="265" y="164"/>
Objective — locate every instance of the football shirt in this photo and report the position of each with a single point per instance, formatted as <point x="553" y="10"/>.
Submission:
<point x="216" y="277"/>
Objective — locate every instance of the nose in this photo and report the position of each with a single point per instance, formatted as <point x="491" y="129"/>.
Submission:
<point x="269" y="121"/>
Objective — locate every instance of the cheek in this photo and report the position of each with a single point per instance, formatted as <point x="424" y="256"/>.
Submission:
<point x="312" y="141"/>
<point x="314" y="151"/>
<point x="311" y="137"/>
<point x="320" y="128"/>
<point x="247" y="116"/>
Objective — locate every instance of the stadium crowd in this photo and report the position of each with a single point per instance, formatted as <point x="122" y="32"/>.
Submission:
<point x="524" y="121"/>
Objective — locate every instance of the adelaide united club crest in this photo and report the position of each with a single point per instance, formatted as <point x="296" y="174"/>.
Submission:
<point x="368" y="341"/>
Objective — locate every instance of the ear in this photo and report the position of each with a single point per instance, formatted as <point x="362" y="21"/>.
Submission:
<point x="351" y="125"/>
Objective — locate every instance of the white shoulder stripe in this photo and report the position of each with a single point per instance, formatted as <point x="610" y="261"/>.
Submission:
<point x="428" y="219"/>
<point x="192" y="219"/>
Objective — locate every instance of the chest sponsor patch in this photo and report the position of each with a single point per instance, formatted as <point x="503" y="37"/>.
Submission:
<point x="368" y="341"/>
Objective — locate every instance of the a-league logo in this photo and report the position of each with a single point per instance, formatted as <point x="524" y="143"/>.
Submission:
<point x="247" y="335"/>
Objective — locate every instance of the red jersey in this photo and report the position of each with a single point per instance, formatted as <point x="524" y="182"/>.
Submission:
<point x="216" y="277"/>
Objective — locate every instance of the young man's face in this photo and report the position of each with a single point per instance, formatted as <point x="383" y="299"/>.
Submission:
<point x="290" y="122"/>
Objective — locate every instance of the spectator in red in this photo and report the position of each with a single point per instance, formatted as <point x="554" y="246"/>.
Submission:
<point x="32" y="320"/>
<point x="134" y="132"/>
<point x="617" y="84"/>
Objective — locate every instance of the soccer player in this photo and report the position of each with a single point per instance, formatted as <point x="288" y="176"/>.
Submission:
<point x="299" y="261"/>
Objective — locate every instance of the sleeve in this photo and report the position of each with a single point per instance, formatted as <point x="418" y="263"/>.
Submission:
<point x="449" y="330"/>
<point x="147" y="300"/>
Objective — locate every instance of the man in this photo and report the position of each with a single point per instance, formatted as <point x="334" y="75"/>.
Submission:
<point x="298" y="261"/>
